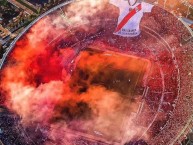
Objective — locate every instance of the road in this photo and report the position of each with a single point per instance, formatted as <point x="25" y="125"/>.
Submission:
<point x="17" y="4"/>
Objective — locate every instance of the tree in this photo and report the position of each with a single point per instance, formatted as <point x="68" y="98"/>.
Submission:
<point x="3" y="2"/>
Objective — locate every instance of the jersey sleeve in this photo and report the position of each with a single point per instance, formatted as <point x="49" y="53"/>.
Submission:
<point x="115" y="2"/>
<point x="147" y="7"/>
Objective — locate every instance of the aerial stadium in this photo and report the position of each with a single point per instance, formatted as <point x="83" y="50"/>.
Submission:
<point x="70" y="80"/>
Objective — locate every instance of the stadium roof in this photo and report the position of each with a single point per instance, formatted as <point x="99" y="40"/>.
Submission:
<point x="188" y="21"/>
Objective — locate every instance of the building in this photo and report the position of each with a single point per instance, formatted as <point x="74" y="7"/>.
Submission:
<point x="1" y="20"/>
<point x="4" y="32"/>
<point x="26" y="6"/>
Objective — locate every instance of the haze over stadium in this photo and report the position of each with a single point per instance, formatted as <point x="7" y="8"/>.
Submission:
<point x="71" y="76"/>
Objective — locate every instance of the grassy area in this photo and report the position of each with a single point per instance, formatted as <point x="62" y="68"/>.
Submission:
<point x="28" y="6"/>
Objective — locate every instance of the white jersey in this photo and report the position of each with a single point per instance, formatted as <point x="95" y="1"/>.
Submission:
<point x="131" y="28"/>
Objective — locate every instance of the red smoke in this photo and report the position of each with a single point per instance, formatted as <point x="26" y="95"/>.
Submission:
<point x="46" y="80"/>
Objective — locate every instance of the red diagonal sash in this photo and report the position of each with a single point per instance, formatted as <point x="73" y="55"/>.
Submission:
<point x="128" y="17"/>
